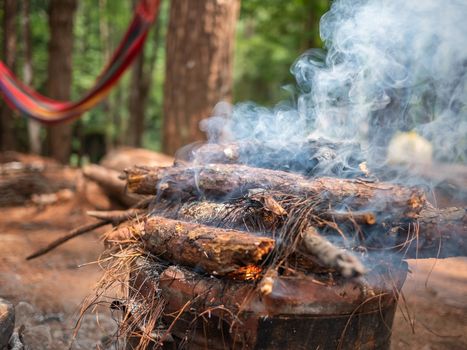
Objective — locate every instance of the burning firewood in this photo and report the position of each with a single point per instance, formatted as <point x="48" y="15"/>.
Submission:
<point x="191" y="299"/>
<point x="229" y="241"/>
<point x="214" y="250"/>
<point x="218" y="180"/>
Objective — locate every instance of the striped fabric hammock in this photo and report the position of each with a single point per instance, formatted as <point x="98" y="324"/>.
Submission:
<point x="48" y="111"/>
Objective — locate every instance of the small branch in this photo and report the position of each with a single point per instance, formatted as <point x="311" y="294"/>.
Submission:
<point x="116" y="217"/>
<point x="328" y="255"/>
<point x="72" y="234"/>
<point x="359" y="217"/>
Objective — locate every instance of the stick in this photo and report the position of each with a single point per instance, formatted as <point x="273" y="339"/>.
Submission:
<point x="330" y="256"/>
<point x="72" y="234"/>
<point x="106" y="218"/>
<point x="116" y="217"/>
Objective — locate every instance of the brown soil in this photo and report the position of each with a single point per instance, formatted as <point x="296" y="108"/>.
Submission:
<point x="48" y="291"/>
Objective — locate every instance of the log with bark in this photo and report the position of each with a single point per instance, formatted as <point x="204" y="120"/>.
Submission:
<point x="231" y="240"/>
<point x="111" y="184"/>
<point x="214" y="250"/>
<point x="433" y="233"/>
<point x="224" y="180"/>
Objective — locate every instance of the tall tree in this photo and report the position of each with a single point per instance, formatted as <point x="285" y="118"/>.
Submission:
<point x="141" y="79"/>
<point x="10" y="9"/>
<point x="61" y="15"/>
<point x="200" y="42"/>
<point x="34" y="128"/>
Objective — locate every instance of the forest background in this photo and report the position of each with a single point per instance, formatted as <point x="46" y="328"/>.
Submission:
<point x="148" y="108"/>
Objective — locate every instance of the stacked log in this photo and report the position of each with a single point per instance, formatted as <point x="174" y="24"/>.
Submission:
<point x="235" y="240"/>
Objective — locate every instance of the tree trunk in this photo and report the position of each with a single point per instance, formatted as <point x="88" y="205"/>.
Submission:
<point x="138" y="95"/>
<point x="61" y="13"/>
<point x="34" y="129"/>
<point x="141" y="80"/>
<point x="199" y="66"/>
<point x="10" y="7"/>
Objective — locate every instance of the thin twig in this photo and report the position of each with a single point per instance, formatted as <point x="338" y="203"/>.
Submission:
<point x="72" y="234"/>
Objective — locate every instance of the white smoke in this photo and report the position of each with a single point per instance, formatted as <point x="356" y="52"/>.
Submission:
<point x="389" y="65"/>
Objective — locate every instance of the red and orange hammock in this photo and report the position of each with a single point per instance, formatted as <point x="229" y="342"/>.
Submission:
<point x="48" y="111"/>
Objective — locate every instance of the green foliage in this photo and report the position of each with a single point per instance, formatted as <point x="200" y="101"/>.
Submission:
<point x="270" y="36"/>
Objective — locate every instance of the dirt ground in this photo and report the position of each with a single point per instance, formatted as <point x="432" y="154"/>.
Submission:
<point x="48" y="291"/>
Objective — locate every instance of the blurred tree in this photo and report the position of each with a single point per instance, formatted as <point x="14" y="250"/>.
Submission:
<point x="141" y="78"/>
<point x="34" y="128"/>
<point x="10" y="9"/>
<point x="270" y="37"/>
<point x="200" y="42"/>
<point x="61" y="14"/>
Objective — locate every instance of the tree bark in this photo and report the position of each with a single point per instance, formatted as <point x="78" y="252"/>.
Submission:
<point x="215" y="250"/>
<point x="10" y="9"/>
<point x="200" y="43"/>
<point x="433" y="233"/>
<point x="61" y="15"/>
<point x="220" y="180"/>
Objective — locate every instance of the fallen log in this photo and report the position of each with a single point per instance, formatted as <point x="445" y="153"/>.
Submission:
<point x="19" y="182"/>
<point x="216" y="251"/>
<point x="221" y="180"/>
<point x="109" y="181"/>
<point x="124" y="157"/>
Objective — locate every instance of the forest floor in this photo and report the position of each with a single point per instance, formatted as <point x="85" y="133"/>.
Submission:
<point x="48" y="291"/>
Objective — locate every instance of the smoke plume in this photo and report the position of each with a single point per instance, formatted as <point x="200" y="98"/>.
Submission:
<point x="388" y="66"/>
